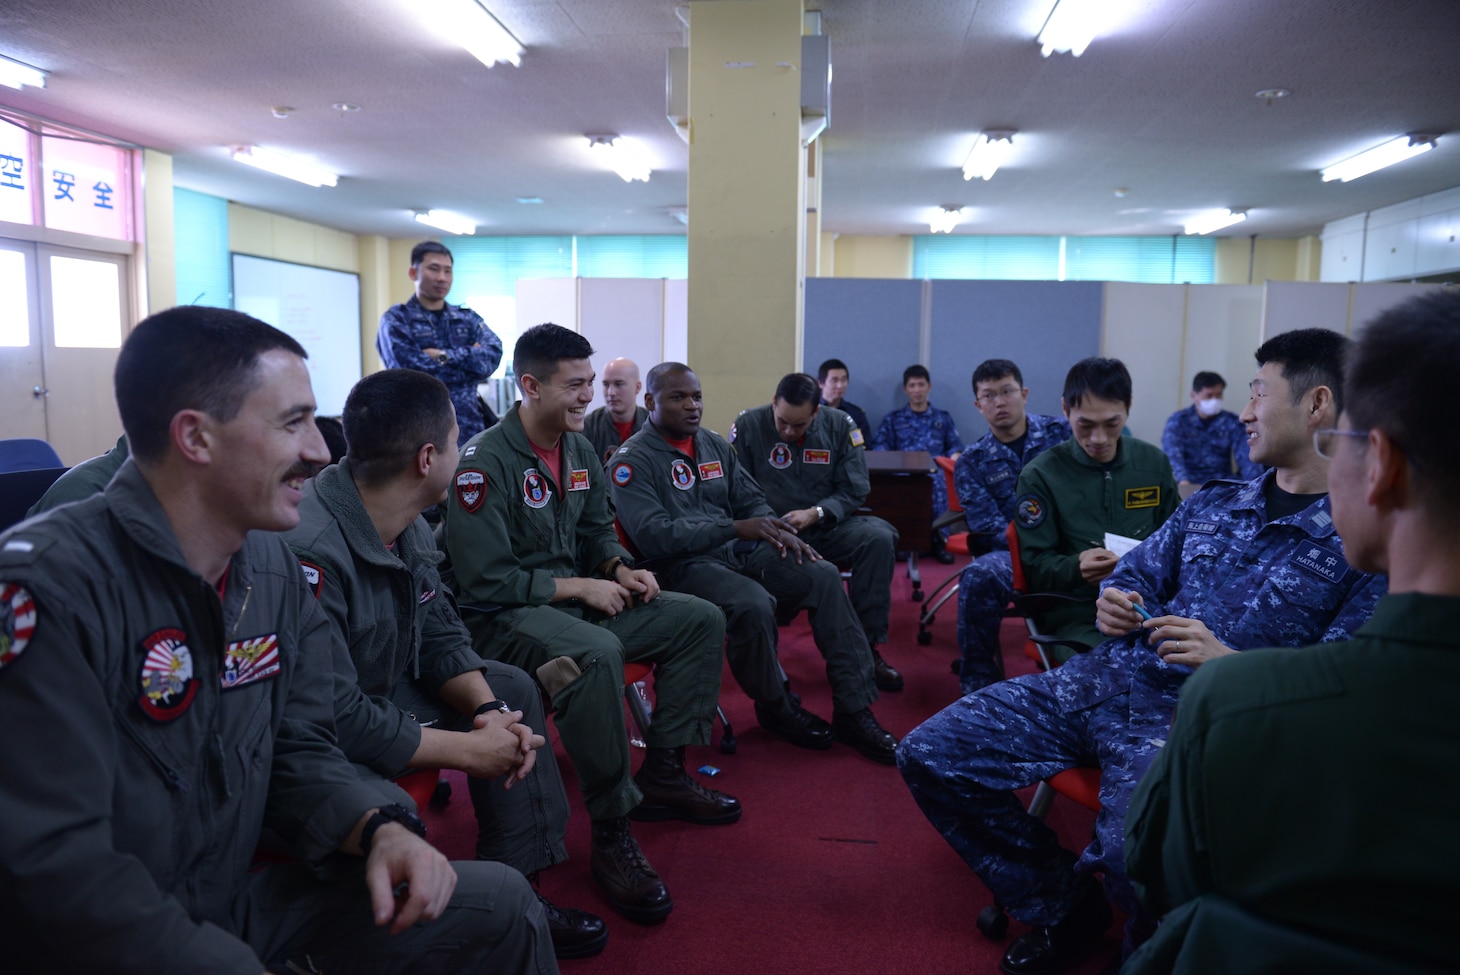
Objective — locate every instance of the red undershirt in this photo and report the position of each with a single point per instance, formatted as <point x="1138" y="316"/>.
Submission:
<point x="625" y="430"/>
<point x="685" y="446"/>
<point x="551" y="458"/>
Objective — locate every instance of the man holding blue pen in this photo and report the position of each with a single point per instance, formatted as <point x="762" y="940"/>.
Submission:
<point x="1239" y="565"/>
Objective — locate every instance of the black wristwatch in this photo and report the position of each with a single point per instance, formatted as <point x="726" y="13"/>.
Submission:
<point x="490" y="706"/>
<point x="610" y="571"/>
<point x="392" y="813"/>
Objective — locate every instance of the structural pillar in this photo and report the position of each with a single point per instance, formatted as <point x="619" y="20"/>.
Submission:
<point x="747" y="211"/>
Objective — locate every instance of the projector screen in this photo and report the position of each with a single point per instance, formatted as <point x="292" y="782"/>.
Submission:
<point x="320" y="308"/>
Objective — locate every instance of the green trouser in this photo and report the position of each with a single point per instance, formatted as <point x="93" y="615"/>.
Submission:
<point x="867" y="547"/>
<point x="681" y="636"/>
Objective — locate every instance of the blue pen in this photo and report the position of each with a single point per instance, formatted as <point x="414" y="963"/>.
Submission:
<point x="1140" y="610"/>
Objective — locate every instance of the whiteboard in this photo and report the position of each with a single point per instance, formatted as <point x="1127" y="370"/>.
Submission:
<point x="320" y="308"/>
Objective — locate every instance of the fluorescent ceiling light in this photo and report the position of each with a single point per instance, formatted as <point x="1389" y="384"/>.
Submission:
<point x="619" y="155"/>
<point x="944" y="219"/>
<point x="452" y="223"/>
<point x="15" y="74"/>
<point x="281" y="164"/>
<point x="988" y="153"/>
<point x="1214" y="220"/>
<point x="471" y="25"/>
<point x="1072" y="25"/>
<point x="1391" y="152"/>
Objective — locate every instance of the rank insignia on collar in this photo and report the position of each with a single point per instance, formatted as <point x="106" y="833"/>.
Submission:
<point x="623" y="473"/>
<point x="17" y="622"/>
<point x="471" y="489"/>
<point x="168" y="684"/>
<point x="535" y="490"/>
<point x="780" y="456"/>
<point x="578" y="480"/>
<point x="711" y="470"/>
<point x="246" y="661"/>
<point x="681" y="475"/>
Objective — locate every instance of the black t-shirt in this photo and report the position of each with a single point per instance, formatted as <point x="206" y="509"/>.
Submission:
<point x="1281" y="503"/>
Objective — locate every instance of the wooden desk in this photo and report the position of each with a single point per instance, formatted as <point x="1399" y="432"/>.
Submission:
<point x="902" y="493"/>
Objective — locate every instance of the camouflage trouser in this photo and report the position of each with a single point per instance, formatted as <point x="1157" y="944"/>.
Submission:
<point x="940" y="500"/>
<point x="984" y="590"/>
<point x="963" y="763"/>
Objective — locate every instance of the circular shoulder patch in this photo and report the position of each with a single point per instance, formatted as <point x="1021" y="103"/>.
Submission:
<point x="1030" y="511"/>
<point x="17" y="622"/>
<point x="623" y="473"/>
<point x="733" y="427"/>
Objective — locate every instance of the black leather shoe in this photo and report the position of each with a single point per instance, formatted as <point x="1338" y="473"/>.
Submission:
<point x="621" y="869"/>
<point x="794" y="723"/>
<point x="1051" y="949"/>
<point x="576" y="934"/>
<point x="862" y="732"/>
<point x="883" y="673"/>
<point x="669" y="793"/>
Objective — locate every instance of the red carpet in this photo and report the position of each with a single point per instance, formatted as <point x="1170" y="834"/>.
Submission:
<point x="831" y="869"/>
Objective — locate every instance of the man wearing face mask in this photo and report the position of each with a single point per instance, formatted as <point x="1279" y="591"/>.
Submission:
<point x="1205" y="441"/>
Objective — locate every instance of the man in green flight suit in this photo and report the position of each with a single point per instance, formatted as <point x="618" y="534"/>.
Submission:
<point x="545" y="585"/>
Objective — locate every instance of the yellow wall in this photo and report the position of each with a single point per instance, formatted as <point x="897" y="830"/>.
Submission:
<point x="159" y="249"/>
<point x="873" y="257"/>
<point x="1267" y="259"/>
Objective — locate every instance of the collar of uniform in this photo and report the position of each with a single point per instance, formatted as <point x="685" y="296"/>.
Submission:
<point x="414" y="304"/>
<point x="134" y="504"/>
<point x="335" y="487"/>
<point x="516" y="434"/>
<point x="1084" y="459"/>
<point x="1315" y="520"/>
<point x="660" y="440"/>
<point x="1414" y="617"/>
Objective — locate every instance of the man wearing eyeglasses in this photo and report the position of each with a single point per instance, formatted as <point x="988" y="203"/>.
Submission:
<point x="1363" y="721"/>
<point x="1238" y="565"/>
<point x="985" y="477"/>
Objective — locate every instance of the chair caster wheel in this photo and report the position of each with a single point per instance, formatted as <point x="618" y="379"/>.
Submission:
<point x="727" y="745"/>
<point x="441" y="796"/>
<point x="993" y="923"/>
<point x="924" y="638"/>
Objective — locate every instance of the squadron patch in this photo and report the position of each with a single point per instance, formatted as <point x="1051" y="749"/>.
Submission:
<point x="809" y="456"/>
<point x="578" y="480"/>
<point x="622" y="474"/>
<point x="246" y="661"/>
<point x="17" y="622"/>
<point x="168" y="684"/>
<point x="711" y="470"/>
<point x="1143" y="497"/>
<point x="733" y="434"/>
<point x="857" y="440"/>
<point x="535" y="490"/>
<point x="471" y="489"/>
<point x="1029" y="511"/>
<point x="426" y="597"/>
<point x="680" y="474"/>
<point x="313" y="576"/>
<point x="780" y="456"/>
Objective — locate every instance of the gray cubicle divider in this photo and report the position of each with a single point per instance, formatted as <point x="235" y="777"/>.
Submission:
<point x="872" y="325"/>
<point x="1044" y="326"/>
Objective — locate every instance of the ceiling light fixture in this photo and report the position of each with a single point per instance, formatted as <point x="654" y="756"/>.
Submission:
<point x="471" y="25"/>
<point x="281" y="164"/>
<point x="1211" y="221"/>
<point x="452" y="223"/>
<point x="16" y="74"/>
<point x="945" y="218"/>
<point x="1391" y="152"/>
<point x="680" y="213"/>
<point x="988" y="153"/>
<point x="619" y="155"/>
<point x="1072" y="25"/>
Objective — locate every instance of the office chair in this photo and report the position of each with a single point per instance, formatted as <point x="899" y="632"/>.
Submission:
<point x="19" y="489"/>
<point x="959" y="543"/>
<point x="1081" y="785"/>
<point x="27" y="454"/>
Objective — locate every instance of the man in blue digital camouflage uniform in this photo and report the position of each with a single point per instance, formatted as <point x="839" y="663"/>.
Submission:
<point x="450" y="342"/>
<point x="922" y="426"/>
<point x="1270" y="825"/>
<point x="1239" y="565"/>
<point x="1205" y="441"/>
<point x="985" y="477"/>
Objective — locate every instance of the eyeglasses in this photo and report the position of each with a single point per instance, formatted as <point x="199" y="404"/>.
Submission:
<point x="996" y="395"/>
<point x="1325" y="441"/>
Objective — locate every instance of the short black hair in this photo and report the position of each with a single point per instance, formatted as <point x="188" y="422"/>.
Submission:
<point x="333" y="432"/>
<point x="798" y="389"/>
<point x="391" y="414"/>
<point x="1207" y="380"/>
<point x="542" y="347"/>
<point x="1310" y="357"/>
<point x="419" y="252"/>
<point x="192" y="357"/>
<point x="1395" y="367"/>
<point x="991" y="369"/>
<point x="828" y="366"/>
<point x="1097" y="377"/>
<point x="916" y="372"/>
<point x="654" y="380"/>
